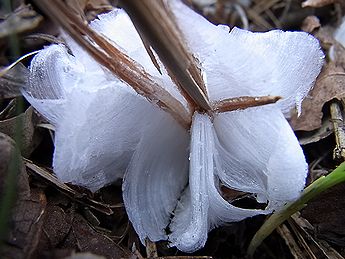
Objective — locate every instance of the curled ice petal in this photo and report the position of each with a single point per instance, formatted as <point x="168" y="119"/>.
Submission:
<point x="103" y="127"/>
<point x="98" y="121"/>
<point x="52" y="72"/>
<point x="259" y="153"/>
<point x="155" y="177"/>
<point x="243" y="63"/>
<point x="98" y="118"/>
<point x="202" y="207"/>
<point x="98" y="134"/>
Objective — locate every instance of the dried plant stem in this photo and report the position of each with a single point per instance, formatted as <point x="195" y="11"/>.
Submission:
<point x="155" y="22"/>
<point x="65" y="189"/>
<point x="290" y="241"/>
<point x="243" y="102"/>
<point x="117" y="62"/>
<point x="9" y="67"/>
<point x="339" y="130"/>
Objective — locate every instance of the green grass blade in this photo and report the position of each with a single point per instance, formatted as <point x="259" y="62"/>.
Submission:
<point x="317" y="187"/>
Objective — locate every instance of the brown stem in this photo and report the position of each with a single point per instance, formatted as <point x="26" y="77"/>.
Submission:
<point x="151" y="19"/>
<point x="339" y="130"/>
<point x="243" y="102"/>
<point x="156" y="23"/>
<point x="117" y="62"/>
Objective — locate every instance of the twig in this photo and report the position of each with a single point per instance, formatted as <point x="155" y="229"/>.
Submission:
<point x="339" y="130"/>
<point x="6" y="69"/>
<point x="117" y="62"/>
<point x="243" y="102"/>
<point x="286" y="234"/>
<point x="65" y="189"/>
<point x="155" y="21"/>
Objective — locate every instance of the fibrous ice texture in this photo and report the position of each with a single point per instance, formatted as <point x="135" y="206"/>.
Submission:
<point x="173" y="177"/>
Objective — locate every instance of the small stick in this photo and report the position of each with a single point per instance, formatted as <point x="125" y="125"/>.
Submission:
<point x="156" y="23"/>
<point x="243" y="102"/>
<point x="290" y="241"/>
<point x="116" y="61"/>
<point x="339" y="130"/>
<point x="65" y="189"/>
<point x="9" y="67"/>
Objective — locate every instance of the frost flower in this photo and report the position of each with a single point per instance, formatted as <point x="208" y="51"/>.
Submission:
<point x="173" y="177"/>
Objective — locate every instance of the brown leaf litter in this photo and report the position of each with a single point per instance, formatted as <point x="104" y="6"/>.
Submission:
<point x="329" y="85"/>
<point x="27" y="121"/>
<point x="55" y="220"/>
<point x="23" y="19"/>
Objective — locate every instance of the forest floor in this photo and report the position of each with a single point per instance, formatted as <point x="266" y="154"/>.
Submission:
<point x="41" y="217"/>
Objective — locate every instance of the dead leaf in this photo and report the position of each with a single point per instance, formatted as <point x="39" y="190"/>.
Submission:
<point x="24" y="18"/>
<point x="88" y="240"/>
<point x="25" y="223"/>
<point x="12" y="81"/>
<point x="7" y="148"/>
<point x="57" y="225"/>
<point x="29" y="140"/>
<point x="326" y="214"/>
<point x="317" y="3"/>
<point x="329" y="85"/>
<point x="308" y="137"/>
<point x="26" y="226"/>
<point x="310" y="23"/>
